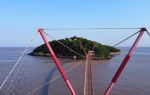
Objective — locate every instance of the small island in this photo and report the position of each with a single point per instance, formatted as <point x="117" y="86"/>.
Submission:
<point x="79" y="45"/>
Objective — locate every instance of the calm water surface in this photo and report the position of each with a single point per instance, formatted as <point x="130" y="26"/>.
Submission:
<point x="35" y="71"/>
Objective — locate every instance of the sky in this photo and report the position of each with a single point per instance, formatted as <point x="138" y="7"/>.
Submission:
<point x="20" y="19"/>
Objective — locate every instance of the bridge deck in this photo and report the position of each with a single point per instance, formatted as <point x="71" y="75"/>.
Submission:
<point x="88" y="88"/>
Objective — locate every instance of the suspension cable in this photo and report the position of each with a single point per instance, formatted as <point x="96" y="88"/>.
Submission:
<point x="15" y="74"/>
<point x="126" y="38"/>
<point x="52" y="80"/>
<point x="94" y="28"/>
<point x="65" y="45"/>
<point x="16" y="64"/>
<point x="148" y="33"/>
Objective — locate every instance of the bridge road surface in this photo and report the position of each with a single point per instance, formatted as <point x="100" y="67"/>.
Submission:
<point x="88" y="88"/>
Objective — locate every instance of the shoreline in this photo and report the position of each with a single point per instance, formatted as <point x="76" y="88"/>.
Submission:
<point x="115" y="53"/>
<point x="112" y="54"/>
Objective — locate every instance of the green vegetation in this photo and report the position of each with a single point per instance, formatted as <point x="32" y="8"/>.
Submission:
<point x="77" y="44"/>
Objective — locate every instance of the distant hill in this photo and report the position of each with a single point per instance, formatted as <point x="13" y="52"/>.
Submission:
<point x="77" y="44"/>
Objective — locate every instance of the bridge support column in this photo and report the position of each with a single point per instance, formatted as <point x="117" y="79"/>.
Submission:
<point x="124" y="63"/>
<point x="59" y="66"/>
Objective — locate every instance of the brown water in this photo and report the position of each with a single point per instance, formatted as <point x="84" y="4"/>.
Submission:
<point x="35" y="71"/>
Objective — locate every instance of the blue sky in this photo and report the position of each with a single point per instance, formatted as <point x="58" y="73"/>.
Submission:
<point x="19" y="19"/>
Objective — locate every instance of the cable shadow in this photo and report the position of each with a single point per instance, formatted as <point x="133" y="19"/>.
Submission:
<point x="49" y="77"/>
<point x="44" y="91"/>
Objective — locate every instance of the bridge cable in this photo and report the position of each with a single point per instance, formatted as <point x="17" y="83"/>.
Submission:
<point x="65" y="45"/>
<point x="148" y="33"/>
<point x="96" y="28"/>
<point x="16" y="64"/>
<point x="66" y="71"/>
<point x="52" y="80"/>
<point x="126" y="38"/>
<point x="15" y="74"/>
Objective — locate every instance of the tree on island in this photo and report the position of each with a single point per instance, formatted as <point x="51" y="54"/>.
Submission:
<point x="77" y="44"/>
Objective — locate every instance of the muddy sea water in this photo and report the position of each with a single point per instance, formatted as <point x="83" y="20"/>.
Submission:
<point x="32" y="72"/>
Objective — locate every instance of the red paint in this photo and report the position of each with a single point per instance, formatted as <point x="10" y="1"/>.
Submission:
<point x="122" y="66"/>
<point x="59" y="66"/>
<point x="110" y="88"/>
<point x="124" y="63"/>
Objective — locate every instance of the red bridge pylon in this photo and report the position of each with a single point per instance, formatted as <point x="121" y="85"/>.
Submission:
<point x="59" y="66"/>
<point x="125" y="61"/>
